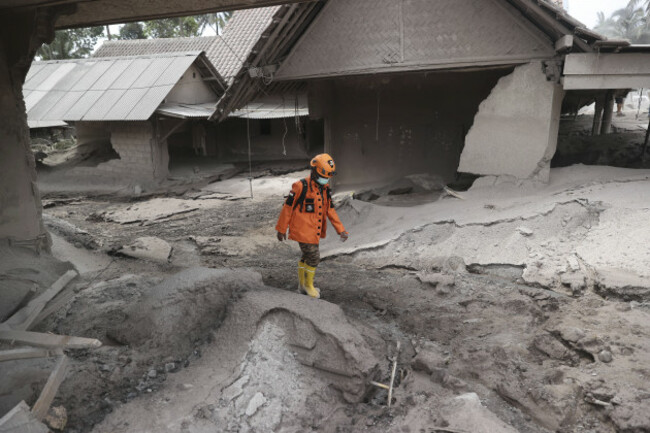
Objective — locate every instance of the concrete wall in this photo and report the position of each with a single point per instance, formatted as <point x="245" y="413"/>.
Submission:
<point x="142" y="158"/>
<point x="191" y="89"/>
<point x="515" y="130"/>
<point x="380" y="128"/>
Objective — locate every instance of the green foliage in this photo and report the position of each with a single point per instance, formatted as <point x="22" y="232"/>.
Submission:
<point x="172" y="28"/>
<point x="215" y="21"/>
<point x="132" y="31"/>
<point x="71" y="44"/>
<point x="631" y="22"/>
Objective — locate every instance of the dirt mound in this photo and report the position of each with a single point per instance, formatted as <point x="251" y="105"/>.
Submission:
<point x="279" y="362"/>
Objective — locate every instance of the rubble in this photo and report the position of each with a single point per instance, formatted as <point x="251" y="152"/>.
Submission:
<point x="148" y="248"/>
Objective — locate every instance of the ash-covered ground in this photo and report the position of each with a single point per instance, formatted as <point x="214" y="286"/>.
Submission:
<point x="518" y="308"/>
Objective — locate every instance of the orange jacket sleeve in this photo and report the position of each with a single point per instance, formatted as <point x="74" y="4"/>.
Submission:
<point x="334" y="218"/>
<point x="287" y="208"/>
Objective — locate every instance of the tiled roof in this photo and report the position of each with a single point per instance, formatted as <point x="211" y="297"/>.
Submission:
<point x="227" y="53"/>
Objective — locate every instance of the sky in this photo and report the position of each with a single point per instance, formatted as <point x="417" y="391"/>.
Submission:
<point x="586" y="10"/>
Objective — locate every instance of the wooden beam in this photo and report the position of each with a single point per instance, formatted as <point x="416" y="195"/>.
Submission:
<point x="25" y="317"/>
<point x="58" y="303"/>
<point x="538" y="14"/>
<point x="605" y="82"/>
<point x="24" y="353"/>
<point x="42" y="405"/>
<point x="607" y="64"/>
<point x="49" y="340"/>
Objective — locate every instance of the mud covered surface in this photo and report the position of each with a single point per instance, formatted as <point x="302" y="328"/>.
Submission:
<point x="521" y="308"/>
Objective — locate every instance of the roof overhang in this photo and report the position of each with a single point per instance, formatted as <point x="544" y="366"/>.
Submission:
<point x="608" y="70"/>
<point x="86" y="13"/>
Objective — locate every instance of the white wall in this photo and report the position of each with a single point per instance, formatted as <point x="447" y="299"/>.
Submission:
<point x="515" y="131"/>
<point x="191" y="89"/>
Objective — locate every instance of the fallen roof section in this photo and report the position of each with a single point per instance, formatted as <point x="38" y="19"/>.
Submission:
<point x="277" y="34"/>
<point x="107" y="89"/>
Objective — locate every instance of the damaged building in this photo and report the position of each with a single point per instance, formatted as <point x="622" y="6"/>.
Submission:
<point x="435" y="87"/>
<point x="149" y="124"/>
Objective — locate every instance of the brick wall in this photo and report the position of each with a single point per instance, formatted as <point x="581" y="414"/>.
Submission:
<point x="142" y="158"/>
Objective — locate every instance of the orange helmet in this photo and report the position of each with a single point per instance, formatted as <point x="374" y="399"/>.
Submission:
<point x="324" y="165"/>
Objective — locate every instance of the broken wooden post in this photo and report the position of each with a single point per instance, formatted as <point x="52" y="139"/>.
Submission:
<point x="25" y="317"/>
<point x="647" y="138"/>
<point x="608" y="113"/>
<point x="50" y="389"/>
<point x="598" y="116"/>
<point x="49" y="340"/>
<point x="392" y="376"/>
<point x="24" y="353"/>
<point x="379" y="385"/>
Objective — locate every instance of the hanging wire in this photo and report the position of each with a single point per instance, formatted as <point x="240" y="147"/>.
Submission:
<point x="286" y="129"/>
<point x="250" y="159"/>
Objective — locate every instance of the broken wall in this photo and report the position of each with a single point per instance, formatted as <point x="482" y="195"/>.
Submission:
<point x="141" y="156"/>
<point x="381" y="128"/>
<point x="515" y="131"/>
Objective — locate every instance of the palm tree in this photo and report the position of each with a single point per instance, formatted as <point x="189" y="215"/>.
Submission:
<point x="629" y="23"/>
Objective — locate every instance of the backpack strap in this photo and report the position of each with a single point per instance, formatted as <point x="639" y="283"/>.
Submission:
<point x="303" y="194"/>
<point x="329" y="198"/>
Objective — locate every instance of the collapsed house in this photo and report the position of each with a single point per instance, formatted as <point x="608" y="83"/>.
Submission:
<point x="142" y="104"/>
<point x="437" y="87"/>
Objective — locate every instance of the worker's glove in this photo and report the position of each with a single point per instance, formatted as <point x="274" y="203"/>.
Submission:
<point x="282" y="236"/>
<point x="344" y="236"/>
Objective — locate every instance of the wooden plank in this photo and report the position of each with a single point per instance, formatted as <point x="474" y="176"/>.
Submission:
<point x="607" y="64"/>
<point x="42" y="405"/>
<point x="20" y="420"/>
<point x="24" y="318"/>
<point x="605" y="82"/>
<point x="23" y="353"/>
<point x="58" y="303"/>
<point x="49" y="340"/>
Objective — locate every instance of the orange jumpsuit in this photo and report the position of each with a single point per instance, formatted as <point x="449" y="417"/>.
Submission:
<point x="306" y="221"/>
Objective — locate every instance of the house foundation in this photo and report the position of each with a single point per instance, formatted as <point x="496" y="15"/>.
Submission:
<point x="515" y="131"/>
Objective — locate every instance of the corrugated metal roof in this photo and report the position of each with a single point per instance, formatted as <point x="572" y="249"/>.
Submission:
<point x="103" y="89"/>
<point x="186" y="111"/>
<point x="274" y="107"/>
<point x="33" y="124"/>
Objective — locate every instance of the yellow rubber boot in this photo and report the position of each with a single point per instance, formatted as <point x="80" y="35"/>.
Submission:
<point x="301" y="277"/>
<point x="310" y="273"/>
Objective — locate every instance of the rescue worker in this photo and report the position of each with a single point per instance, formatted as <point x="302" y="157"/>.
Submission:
<point x="304" y="214"/>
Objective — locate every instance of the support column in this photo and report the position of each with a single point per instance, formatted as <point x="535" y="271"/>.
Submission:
<point x="598" y="115"/>
<point x="608" y="113"/>
<point x="20" y="205"/>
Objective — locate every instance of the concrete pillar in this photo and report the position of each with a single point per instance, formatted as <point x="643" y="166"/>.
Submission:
<point x="608" y="113"/>
<point x="20" y="205"/>
<point x="598" y="116"/>
<point x="515" y="130"/>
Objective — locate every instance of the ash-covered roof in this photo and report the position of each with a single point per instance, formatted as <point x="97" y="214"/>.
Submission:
<point x="227" y="52"/>
<point x="106" y="89"/>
